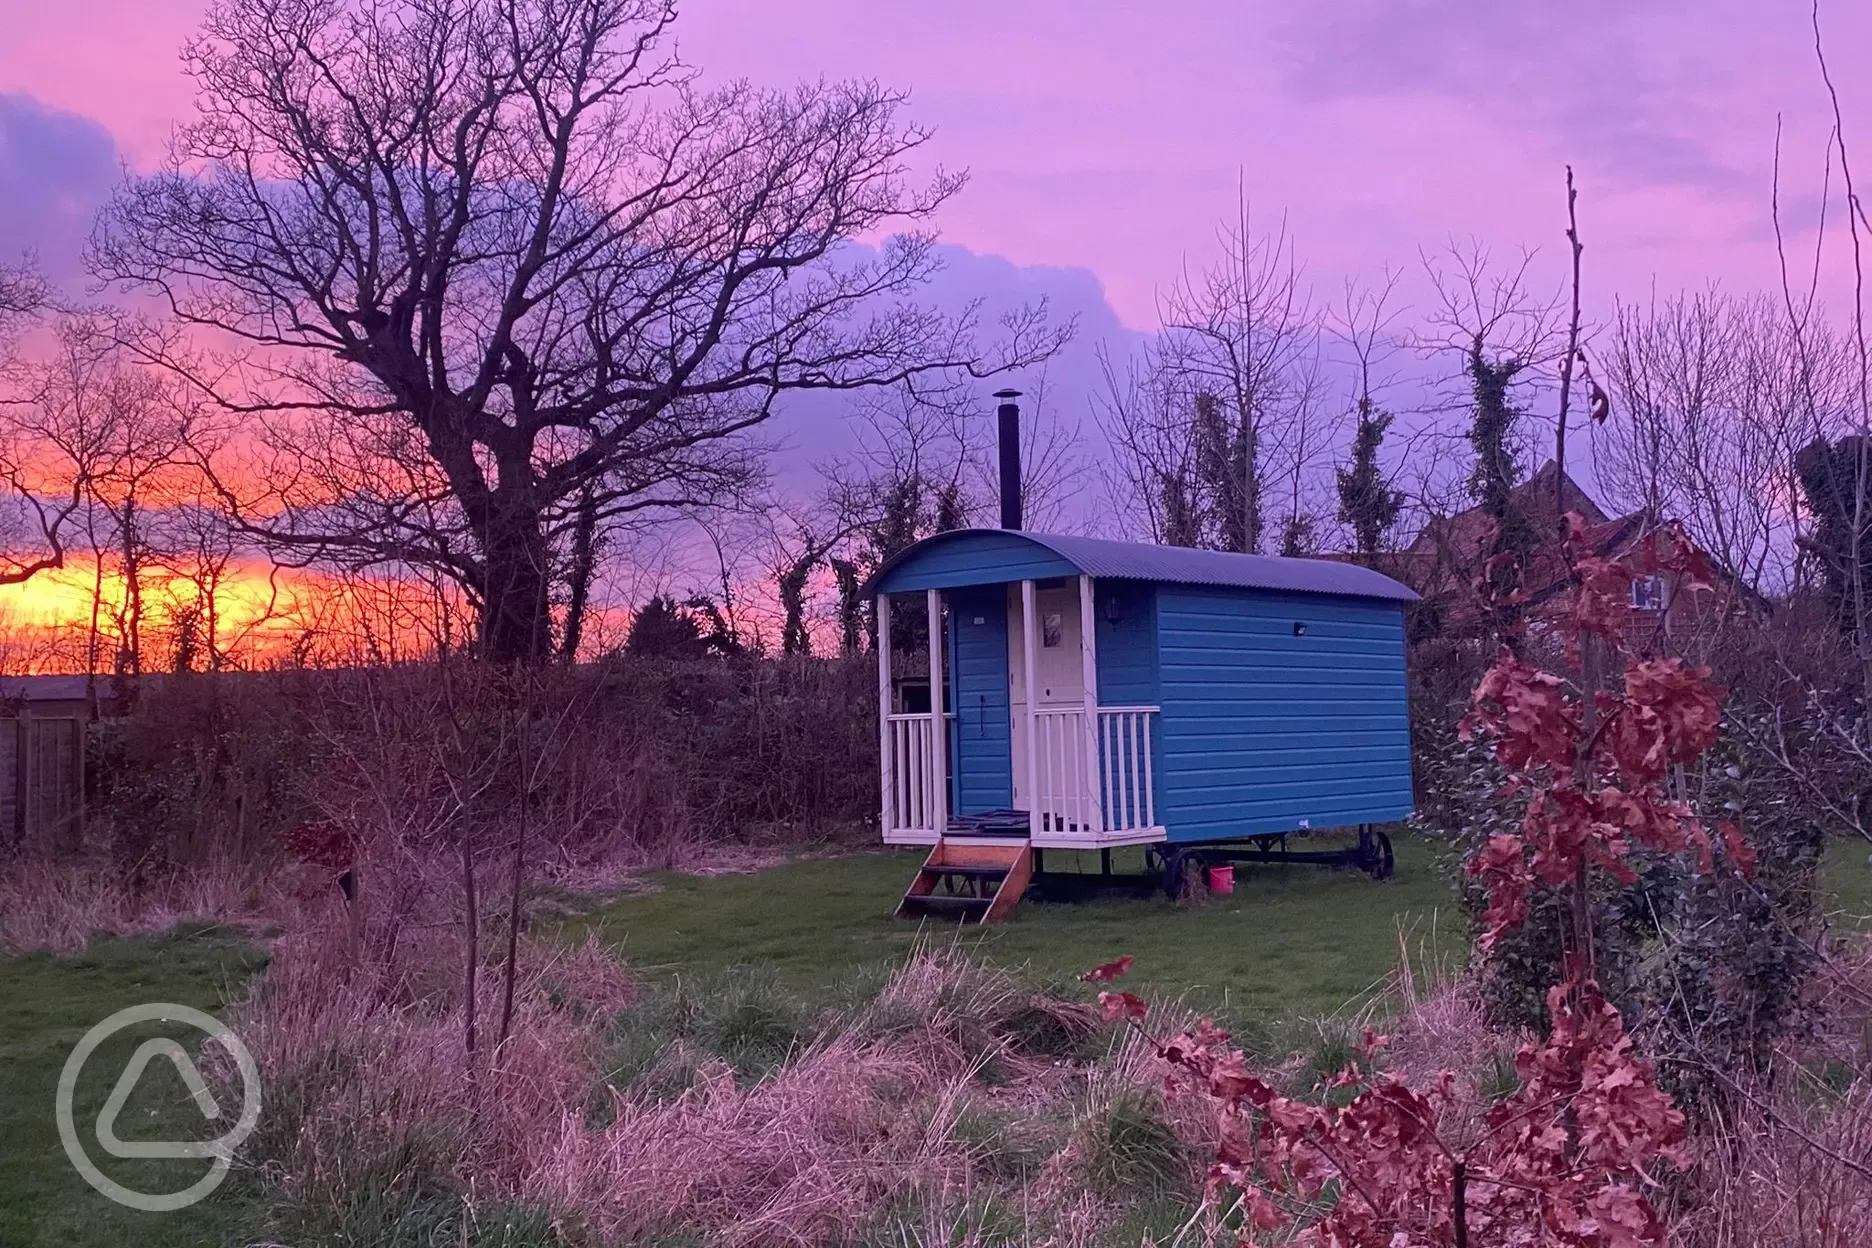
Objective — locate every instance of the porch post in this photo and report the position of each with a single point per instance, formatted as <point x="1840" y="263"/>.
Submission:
<point x="886" y="744"/>
<point x="1029" y="660"/>
<point x="1091" y="816"/>
<point x="939" y="723"/>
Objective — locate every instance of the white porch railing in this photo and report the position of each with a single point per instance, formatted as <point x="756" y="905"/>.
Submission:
<point x="912" y="804"/>
<point x="1102" y="794"/>
<point x="1124" y="743"/>
<point x="1067" y="786"/>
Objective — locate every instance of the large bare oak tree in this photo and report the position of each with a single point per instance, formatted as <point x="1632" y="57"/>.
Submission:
<point x="468" y="276"/>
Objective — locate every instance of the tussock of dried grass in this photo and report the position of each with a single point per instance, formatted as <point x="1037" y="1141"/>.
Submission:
<point x="1782" y="1172"/>
<point x="805" y="1157"/>
<point x="370" y="1091"/>
<point x="1787" y="1159"/>
<point x="60" y="905"/>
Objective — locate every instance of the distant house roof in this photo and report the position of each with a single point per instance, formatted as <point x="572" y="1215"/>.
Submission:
<point x="1182" y="565"/>
<point x="1448" y="555"/>
<point x="1464" y="538"/>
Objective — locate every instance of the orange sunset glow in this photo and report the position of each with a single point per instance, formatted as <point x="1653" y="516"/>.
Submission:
<point x="261" y="614"/>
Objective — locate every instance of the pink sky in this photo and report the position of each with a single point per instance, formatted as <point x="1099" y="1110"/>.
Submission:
<point x="1106" y="141"/>
<point x="1111" y="136"/>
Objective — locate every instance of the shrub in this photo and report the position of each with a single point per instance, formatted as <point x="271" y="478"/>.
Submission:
<point x="634" y="757"/>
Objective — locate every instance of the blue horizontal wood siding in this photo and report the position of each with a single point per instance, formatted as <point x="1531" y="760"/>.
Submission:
<point x="1127" y="644"/>
<point x="979" y="557"/>
<point x="1264" y="731"/>
<point x="1127" y="661"/>
<point x="978" y="659"/>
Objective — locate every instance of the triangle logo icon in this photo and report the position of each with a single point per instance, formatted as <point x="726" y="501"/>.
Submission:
<point x="146" y="1053"/>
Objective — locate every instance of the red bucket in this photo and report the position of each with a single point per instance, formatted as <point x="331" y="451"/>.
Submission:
<point x="1221" y="879"/>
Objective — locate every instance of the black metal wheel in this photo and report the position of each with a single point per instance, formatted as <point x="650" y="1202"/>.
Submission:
<point x="1382" y="864"/>
<point x="1183" y="874"/>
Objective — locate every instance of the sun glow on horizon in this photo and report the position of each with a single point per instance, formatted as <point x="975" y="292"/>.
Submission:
<point x="82" y="616"/>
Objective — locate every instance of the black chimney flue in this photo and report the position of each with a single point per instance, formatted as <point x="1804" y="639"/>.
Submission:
<point x="1008" y="418"/>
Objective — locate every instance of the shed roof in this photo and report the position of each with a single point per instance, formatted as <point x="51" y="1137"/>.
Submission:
<point x="1098" y="557"/>
<point x="51" y="688"/>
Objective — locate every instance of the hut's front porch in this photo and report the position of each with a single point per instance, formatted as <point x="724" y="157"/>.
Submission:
<point x="1081" y="774"/>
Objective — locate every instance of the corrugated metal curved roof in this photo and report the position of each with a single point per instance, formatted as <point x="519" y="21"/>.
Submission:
<point x="1094" y="556"/>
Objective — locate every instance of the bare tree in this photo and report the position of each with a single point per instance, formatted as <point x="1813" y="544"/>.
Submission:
<point x="37" y="506"/>
<point x="907" y="477"/>
<point x="921" y="464"/>
<point x="1054" y="466"/>
<point x="1223" y="404"/>
<point x="476" y="262"/>
<point x="105" y="439"/>
<point x="1716" y="396"/>
<point x="24" y="294"/>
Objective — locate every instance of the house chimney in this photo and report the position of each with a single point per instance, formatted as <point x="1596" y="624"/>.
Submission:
<point x="1008" y="419"/>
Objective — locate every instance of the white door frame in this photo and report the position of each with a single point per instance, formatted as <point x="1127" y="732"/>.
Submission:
<point x="886" y="744"/>
<point x="1029" y="662"/>
<point x="1088" y="661"/>
<point x="939" y="723"/>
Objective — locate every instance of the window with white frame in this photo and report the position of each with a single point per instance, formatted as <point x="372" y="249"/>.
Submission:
<point x="1647" y="593"/>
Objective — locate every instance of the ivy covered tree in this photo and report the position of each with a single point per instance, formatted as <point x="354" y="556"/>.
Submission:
<point x="1367" y="503"/>
<point x="1836" y="488"/>
<point x="1180" y="525"/>
<point x="1495" y="420"/>
<point x="851" y="613"/>
<point x="1228" y="470"/>
<point x="1299" y="538"/>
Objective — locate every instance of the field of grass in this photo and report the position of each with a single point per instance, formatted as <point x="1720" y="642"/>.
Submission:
<point x="1849" y="880"/>
<point x="1289" y="941"/>
<point x="49" y="1004"/>
<point x="740" y="964"/>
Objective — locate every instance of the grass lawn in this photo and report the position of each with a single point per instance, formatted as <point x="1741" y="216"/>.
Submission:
<point x="1849" y="879"/>
<point x="49" y="1004"/>
<point x="1289" y="941"/>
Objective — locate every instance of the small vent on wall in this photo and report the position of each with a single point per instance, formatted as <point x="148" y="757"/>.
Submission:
<point x="1299" y="628"/>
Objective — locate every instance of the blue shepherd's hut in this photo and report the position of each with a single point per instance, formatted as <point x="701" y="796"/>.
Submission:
<point x="1089" y="694"/>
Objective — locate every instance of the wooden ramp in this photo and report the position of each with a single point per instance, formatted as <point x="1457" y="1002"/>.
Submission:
<point x="971" y="883"/>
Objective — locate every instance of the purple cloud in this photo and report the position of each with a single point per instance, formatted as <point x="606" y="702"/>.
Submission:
<point x="55" y="169"/>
